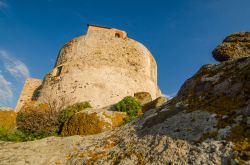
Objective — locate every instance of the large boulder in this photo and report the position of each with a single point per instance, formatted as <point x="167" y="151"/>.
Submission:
<point x="92" y="121"/>
<point x="155" y="103"/>
<point x="143" y="97"/>
<point x="7" y="118"/>
<point x="220" y="89"/>
<point x="234" y="46"/>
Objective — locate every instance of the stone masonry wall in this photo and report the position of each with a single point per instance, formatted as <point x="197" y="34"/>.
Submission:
<point x="102" y="69"/>
<point x="31" y="84"/>
<point x="114" y="32"/>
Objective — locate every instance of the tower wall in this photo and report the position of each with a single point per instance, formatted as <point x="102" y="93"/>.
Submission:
<point x="114" y="32"/>
<point x="31" y="84"/>
<point x="102" y="69"/>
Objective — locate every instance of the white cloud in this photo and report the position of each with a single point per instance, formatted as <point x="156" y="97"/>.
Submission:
<point x="14" y="66"/>
<point x="170" y="96"/>
<point x="6" y="93"/>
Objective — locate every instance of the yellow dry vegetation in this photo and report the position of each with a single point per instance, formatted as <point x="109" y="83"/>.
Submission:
<point x="7" y="119"/>
<point x="83" y="124"/>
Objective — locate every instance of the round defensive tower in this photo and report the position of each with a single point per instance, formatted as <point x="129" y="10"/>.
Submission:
<point x="102" y="67"/>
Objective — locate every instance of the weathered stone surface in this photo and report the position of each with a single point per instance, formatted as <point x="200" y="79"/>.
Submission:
<point x="211" y="105"/>
<point x="219" y="89"/>
<point x="92" y="121"/>
<point x="154" y="104"/>
<point x="7" y="118"/>
<point x="29" y="88"/>
<point x="234" y="46"/>
<point x="101" y="68"/>
<point x="143" y="97"/>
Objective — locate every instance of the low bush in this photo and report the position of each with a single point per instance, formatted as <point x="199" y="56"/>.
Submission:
<point x="14" y="135"/>
<point x="129" y="105"/>
<point x="40" y="120"/>
<point x="66" y="113"/>
<point x="83" y="124"/>
<point x="36" y="121"/>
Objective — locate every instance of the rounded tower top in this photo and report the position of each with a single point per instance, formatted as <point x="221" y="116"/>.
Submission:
<point x="101" y="47"/>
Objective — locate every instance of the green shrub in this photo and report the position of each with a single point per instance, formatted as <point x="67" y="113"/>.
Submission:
<point x="68" y="112"/>
<point x="129" y="105"/>
<point x="20" y="116"/>
<point x="14" y="135"/>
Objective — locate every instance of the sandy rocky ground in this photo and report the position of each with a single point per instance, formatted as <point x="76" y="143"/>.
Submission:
<point x="121" y="146"/>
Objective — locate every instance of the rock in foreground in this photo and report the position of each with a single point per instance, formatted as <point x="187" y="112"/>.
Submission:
<point x="92" y="121"/>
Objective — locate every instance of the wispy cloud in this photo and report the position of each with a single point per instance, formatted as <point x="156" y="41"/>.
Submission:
<point x="14" y="66"/>
<point x="13" y="73"/>
<point x="3" y="5"/>
<point x="6" y="93"/>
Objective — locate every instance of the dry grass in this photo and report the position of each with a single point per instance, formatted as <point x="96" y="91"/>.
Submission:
<point x="7" y="119"/>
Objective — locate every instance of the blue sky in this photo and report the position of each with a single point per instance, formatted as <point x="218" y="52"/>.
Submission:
<point x="179" y="33"/>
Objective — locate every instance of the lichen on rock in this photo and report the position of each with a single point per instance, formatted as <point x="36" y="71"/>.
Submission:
<point x="92" y="121"/>
<point x="143" y="97"/>
<point x="234" y="46"/>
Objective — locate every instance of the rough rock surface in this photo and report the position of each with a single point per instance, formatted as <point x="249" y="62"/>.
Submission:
<point x="157" y="103"/>
<point x="143" y="97"/>
<point x="93" y="121"/>
<point x="206" y="123"/>
<point x="234" y="46"/>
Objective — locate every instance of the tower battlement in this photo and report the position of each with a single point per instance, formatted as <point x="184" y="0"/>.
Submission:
<point x="116" y="32"/>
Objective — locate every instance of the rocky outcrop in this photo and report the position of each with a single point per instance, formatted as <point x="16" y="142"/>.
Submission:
<point x="212" y="106"/>
<point x="234" y="46"/>
<point x="143" y="97"/>
<point x="92" y="121"/>
<point x="217" y="89"/>
<point x="157" y="103"/>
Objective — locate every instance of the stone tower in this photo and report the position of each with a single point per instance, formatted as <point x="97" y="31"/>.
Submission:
<point x="102" y="67"/>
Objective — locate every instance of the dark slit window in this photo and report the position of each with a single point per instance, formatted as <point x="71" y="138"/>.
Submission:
<point x="117" y="35"/>
<point x="59" y="71"/>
